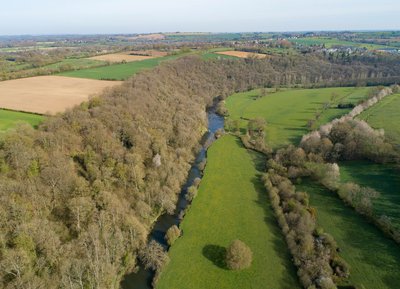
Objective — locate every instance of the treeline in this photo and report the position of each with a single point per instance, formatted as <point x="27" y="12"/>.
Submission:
<point x="315" y="158"/>
<point x="314" y="251"/>
<point x="78" y="196"/>
<point x="346" y="139"/>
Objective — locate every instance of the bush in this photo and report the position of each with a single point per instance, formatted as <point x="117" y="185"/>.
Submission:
<point x="153" y="256"/>
<point x="238" y="256"/>
<point x="196" y="182"/>
<point x="191" y="193"/>
<point x="173" y="233"/>
<point x="327" y="283"/>
<point x="202" y="165"/>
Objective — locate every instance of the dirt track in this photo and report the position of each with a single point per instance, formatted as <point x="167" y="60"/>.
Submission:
<point x="48" y="94"/>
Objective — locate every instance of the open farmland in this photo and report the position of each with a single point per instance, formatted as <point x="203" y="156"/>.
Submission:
<point x="48" y="94"/>
<point x="74" y="64"/>
<point x="231" y="204"/>
<point x="334" y="42"/>
<point x="25" y="70"/>
<point x="242" y="54"/>
<point x="288" y="112"/>
<point x="9" y="119"/>
<point x="118" y="71"/>
<point x="373" y="258"/>
<point x="117" y="57"/>
<point x="129" y="56"/>
<point x="386" y="115"/>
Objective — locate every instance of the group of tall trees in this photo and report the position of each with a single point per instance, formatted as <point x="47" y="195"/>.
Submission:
<point x="79" y="194"/>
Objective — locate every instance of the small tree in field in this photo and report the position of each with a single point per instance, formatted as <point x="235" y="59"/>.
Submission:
<point x="238" y="256"/>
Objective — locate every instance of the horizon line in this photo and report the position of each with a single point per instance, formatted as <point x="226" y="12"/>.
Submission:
<point x="196" y="32"/>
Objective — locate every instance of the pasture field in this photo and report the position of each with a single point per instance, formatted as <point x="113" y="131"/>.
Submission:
<point x="30" y="48"/>
<point x="48" y="94"/>
<point x="242" y="54"/>
<point x="383" y="178"/>
<point x="74" y="64"/>
<point x="126" y="70"/>
<point x="373" y="258"/>
<point x="386" y="115"/>
<point x="129" y="56"/>
<point x="119" y="57"/>
<point x="331" y="42"/>
<point x="288" y="111"/>
<point x="22" y="70"/>
<point x="213" y="55"/>
<point x="118" y="71"/>
<point x="231" y="204"/>
<point x="9" y="119"/>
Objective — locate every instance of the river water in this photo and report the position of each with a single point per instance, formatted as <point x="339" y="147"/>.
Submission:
<point x="143" y="278"/>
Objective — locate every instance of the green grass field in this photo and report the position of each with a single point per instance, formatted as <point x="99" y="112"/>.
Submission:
<point x="126" y="70"/>
<point x="383" y="178"/>
<point x="75" y="63"/>
<point x="330" y="42"/>
<point x="118" y="71"/>
<point x="287" y="112"/>
<point x="70" y="64"/>
<point x="211" y="55"/>
<point x="231" y="204"/>
<point x="373" y="258"/>
<point x="8" y="119"/>
<point x="386" y="115"/>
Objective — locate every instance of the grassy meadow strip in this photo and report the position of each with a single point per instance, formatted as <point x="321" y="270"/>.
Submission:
<point x="231" y="204"/>
<point x="288" y="112"/>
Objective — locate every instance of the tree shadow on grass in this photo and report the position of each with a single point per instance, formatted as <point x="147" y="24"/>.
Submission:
<point x="215" y="254"/>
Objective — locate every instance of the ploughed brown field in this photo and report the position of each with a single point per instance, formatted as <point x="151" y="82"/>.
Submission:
<point x="49" y="94"/>
<point x="129" y="56"/>
<point x="242" y="54"/>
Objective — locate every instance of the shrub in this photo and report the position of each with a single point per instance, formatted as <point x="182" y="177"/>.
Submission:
<point x="256" y="126"/>
<point x="238" y="256"/>
<point x="191" y="193"/>
<point x="327" y="283"/>
<point x="219" y="133"/>
<point x="173" y="233"/>
<point x="202" y="165"/>
<point x="153" y="256"/>
<point x="196" y="182"/>
<point x="221" y="109"/>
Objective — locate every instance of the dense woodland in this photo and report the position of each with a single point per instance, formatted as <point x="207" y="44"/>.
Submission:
<point x="78" y="196"/>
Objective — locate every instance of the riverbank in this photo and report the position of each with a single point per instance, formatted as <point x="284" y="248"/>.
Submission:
<point x="231" y="204"/>
<point x="144" y="277"/>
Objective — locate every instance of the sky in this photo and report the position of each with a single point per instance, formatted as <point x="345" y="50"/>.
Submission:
<point x="20" y="17"/>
